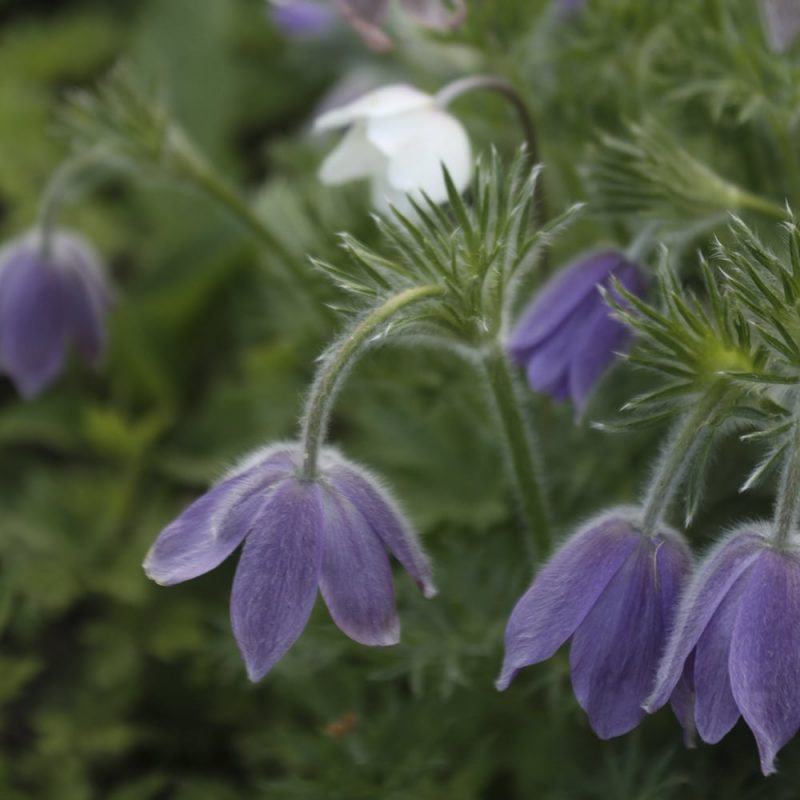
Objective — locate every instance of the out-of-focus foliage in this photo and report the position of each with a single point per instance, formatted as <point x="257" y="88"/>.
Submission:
<point x="114" y="688"/>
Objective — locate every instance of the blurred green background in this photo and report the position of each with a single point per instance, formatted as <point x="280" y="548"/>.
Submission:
<point x="114" y="688"/>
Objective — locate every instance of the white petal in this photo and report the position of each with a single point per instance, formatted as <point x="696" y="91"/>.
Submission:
<point x="352" y="159"/>
<point x="395" y="99"/>
<point x="415" y="160"/>
<point x="384" y="197"/>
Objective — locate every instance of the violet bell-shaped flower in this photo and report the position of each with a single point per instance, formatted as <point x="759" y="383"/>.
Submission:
<point x="612" y="592"/>
<point x="50" y="297"/>
<point x="737" y="633"/>
<point x="568" y="337"/>
<point x="399" y="139"/>
<point x="331" y="533"/>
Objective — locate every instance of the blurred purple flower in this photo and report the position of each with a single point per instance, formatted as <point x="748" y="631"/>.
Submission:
<point x="781" y="21"/>
<point x="303" y="19"/>
<point x="47" y="301"/>
<point x="613" y="592"/>
<point x="331" y="533"/>
<point x="737" y="630"/>
<point x="367" y="16"/>
<point x="567" y="8"/>
<point x="567" y="337"/>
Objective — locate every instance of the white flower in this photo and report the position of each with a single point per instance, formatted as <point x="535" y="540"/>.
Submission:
<point x="398" y="138"/>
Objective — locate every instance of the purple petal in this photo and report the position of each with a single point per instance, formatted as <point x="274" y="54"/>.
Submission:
<point x="87" y="297"/>
<point x="302" y="19"/>
<point x="210" y="529"/>
<point x="715" y="708"/>
<point x="560" y="296"/>
<point x="714" y="579"/>
<point x="355" y="577"/>
<point x="615" y="650"/>
<point x="673" y="563"/>
<point x="33" y="320"/>
<point x="563" y="593"/>
<point x="765" y="653"/>
<point x="276" y="580"/>
<point x="385" y="519"/>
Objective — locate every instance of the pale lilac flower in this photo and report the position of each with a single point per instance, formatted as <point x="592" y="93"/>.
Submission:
<point x="781" y="21"/>
<point x="49" y="300"/>
<point x="330" y="534"/>
<point x="567" y="337"/>
<point x="737" y="630"/>
<point x="303" y="19"/>
<point x="367" y="16"/>
<point x="612" y="592"/>
<point x="399" y="139"/>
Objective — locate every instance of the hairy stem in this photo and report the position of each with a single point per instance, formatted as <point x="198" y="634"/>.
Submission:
<point x="335" y="364"/>
<point x="687" y="437"/>
<point x="787" y="502"/>
<point x="518" y="442"/>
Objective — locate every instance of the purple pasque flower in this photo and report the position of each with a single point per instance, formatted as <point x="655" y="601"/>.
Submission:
<point x="612" y="592"/>
<point x="303" y="19"/>
<point x="331" y="534"/>
<point x="52" y="294"/>
<point x="737" y="633"/>
<point x="367" y="16"/>
<point x="567" y="337"/>
<point x="781" y="22"/>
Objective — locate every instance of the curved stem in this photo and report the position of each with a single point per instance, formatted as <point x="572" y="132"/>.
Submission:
<point x="58" y="187"/>
<point x="687" y="437"/>
<point x="518" y="441"/>
<point x="462" y="86"/>
<point x="787" y="503"/>
<point x="335" y="364"/>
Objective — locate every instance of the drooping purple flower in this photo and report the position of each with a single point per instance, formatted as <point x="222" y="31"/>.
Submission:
<point x="299" y="536"/>
<point x="567" y="337"/>
<point x="367" y="16"/>
<point x="50" y="299"/>
<point x="781" y="21"/>
<point x="737" y="630"/>
<point x="612" y="592"/>
<point x="303" y="19"/>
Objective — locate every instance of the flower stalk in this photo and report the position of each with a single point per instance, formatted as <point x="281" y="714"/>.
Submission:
<point x="518" y="442"/>
<point x="787" y="502"/>
<point x="689" y="434"/>
<point x="335" y="365"/>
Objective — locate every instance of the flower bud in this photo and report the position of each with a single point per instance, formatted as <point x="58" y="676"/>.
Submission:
<point x="49" y="299"/>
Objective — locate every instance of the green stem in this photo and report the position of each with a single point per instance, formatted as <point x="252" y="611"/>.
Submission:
<point x="192" y="166"/>
<point x="518" y="441"/>
<point x="787" y="502"/>
<point x="687" y="437"/>
<point x="335" y="365"/>
<point x="753" y="202"/>
<point x="59" y="186"/>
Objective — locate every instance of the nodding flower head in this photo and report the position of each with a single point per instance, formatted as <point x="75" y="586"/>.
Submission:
<point x="567" y="337"/>
<point x="331" y="533"/>
<point x="302" y="19"/>
<point x="399" y="139"/>
<point x="737" y="634"/>
<point x="49" y="298"/>
<point x="611" y="591"/>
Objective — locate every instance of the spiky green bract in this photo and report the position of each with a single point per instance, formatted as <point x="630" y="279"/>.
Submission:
<point x="477" y="251"/>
